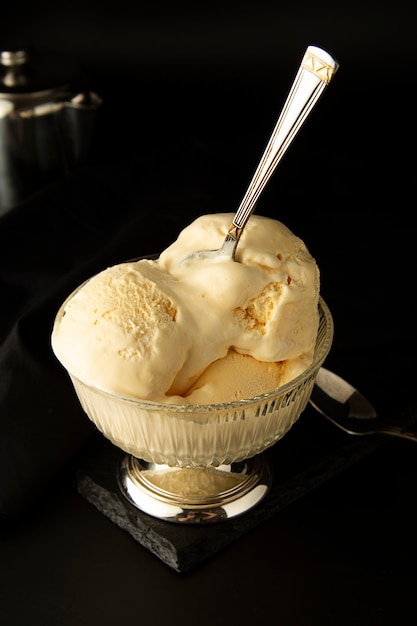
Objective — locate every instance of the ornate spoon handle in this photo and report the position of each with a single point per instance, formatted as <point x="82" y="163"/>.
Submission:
<point x="314" y="74"/>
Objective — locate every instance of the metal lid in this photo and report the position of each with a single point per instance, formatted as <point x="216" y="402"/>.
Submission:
<point x="28" y="76"/>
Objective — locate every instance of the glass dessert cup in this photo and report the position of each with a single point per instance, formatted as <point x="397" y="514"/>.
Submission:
<point x="200" y="463"/>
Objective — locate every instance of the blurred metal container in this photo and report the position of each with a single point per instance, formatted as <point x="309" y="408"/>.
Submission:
<point x="47" y="119"/>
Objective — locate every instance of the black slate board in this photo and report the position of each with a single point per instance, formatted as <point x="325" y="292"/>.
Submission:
<point x="312" y="452"/>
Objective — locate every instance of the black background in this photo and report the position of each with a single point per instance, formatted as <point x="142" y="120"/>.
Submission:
<point x="190" y="94"/>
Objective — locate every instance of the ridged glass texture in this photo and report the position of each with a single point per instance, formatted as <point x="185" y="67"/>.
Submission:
<point x="202" y="435"/>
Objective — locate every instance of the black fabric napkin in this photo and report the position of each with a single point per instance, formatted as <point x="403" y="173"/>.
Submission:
<point x="44" y="247"/>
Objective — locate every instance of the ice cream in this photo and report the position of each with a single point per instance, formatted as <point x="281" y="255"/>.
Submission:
<point x="198" y="332"/>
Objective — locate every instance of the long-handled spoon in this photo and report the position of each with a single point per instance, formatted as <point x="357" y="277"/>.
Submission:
<point x="348" y="409"/>
<point x="316" y="70"/>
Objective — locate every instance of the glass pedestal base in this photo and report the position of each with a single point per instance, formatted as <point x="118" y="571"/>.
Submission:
<point x="202" y="495"/>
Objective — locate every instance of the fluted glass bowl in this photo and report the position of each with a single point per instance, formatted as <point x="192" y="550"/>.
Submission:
<point x="211" y="443"/>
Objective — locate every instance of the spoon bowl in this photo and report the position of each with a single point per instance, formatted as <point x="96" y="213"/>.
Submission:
<point x="349" y="410"/>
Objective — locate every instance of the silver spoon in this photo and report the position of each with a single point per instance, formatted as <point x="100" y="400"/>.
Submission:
<point x="348" y="409"/>
<point x="316" y="70"/>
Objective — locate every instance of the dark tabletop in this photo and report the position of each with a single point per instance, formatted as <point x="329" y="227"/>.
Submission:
<point x="336" y="543"/>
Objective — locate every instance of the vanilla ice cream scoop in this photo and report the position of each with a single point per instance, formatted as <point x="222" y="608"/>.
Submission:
<point x="150" y="329"/>
<point x="124" y="330"/>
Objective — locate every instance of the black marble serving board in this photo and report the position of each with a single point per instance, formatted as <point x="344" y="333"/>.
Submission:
<point x="312" y="452"/>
